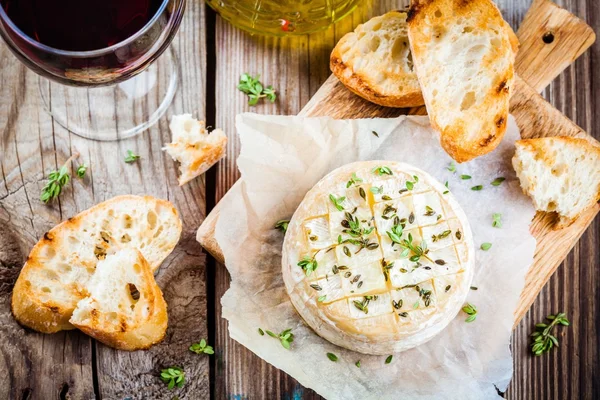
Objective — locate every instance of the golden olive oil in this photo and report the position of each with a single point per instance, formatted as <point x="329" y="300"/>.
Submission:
<point x="283" y="17"/>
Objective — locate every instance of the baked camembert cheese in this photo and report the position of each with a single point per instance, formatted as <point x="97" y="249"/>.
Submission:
<point x="378" y="257"/>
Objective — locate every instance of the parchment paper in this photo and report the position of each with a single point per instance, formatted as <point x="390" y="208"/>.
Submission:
<point x="281" y="159"/>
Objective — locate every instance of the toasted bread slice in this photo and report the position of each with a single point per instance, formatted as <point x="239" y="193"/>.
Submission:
<point x="193" y="147"/>
<point x="54" y="278"/>
<point x="125" y="308"/>
<point x="464" y="55"/>
<point x="375" y="62"/>
<point x="560" y="174"/>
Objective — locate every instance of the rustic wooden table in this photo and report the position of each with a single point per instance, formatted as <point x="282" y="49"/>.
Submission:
<point x="213" y="54"/>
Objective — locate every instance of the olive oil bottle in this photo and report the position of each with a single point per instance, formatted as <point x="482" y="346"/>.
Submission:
<point x="283" y="17"/>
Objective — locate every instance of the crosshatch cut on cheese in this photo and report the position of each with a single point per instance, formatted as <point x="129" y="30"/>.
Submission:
<point x="378" y="257"/>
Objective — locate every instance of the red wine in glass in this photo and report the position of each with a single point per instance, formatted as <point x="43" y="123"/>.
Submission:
<point x="86" y="51"/>
<point x="89" y="42"/>
<point x="77" y="25"/>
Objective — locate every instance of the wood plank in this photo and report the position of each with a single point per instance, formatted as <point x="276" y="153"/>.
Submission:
<point x="364" y="109"/>
<point x="51" y="366"/>
<point x="296" y="67"/>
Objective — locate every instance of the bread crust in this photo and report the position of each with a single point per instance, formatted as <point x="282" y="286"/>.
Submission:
<point x="479" y="128"/>
<point x="43" y="313"/>
<point x="541" y="149"/>
<point x="363" y="83"/>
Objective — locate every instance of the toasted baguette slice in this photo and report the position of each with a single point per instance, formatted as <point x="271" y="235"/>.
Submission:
<point x="193" y="147"/>
<point x="54" y="278"/>
<point x="375" y="62"/>
<point x="561" y="174"/>
<point x="464" y="54"/>
<point x="125" y="308"/>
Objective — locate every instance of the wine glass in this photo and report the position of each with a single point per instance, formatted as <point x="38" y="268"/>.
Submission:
<point x="96" y="59"/>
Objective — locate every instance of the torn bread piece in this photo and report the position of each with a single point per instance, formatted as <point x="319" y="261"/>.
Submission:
<point x="125" y="308"/>
<point x="560" y="174"/>
<point x="464" y="54"/>
<point x="375" y="62"/>
<point x="54" y="278"/>
<point x="193" y="147"/>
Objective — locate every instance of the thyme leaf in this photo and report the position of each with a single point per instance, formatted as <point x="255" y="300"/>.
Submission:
<point x="498" y="181"/>
<point x="471" y="311"/>
<point x="497" y="220"/>
<point x="383" y="170"/>
<point x="282" y="225"/>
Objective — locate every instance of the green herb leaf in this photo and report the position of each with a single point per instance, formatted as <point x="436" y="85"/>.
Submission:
<point x="465" y="177"/>
<point x="252" y="87"/>
<point x="56" y="181"/>
<point x="383" y="170"/>
<point x="131" y="157"/>
<point x="376" y="190"/>
<point x="261" y="332"/>
<point x="498" y="181"/>
<point x="497" y="220"/>
<point x="357" y="364"/>
<point x="478" y="187"/>
<point x="282" y="225"/>
<point x="354" y="180"/>
<point x="389" y="359"/>
<point x="336" y="201"/>
<point x="322" y="298"/>
<point x="81" y="170"/>
<point x="486" y="246"/>
<point x="308" y="264"/>
<point x="202" y="347"/>
<point x="173" y="376"/>
<point x="410" y="185"/>
<point x="543" y="340"/>
<point x="285" y="337"/>
<point x="375" y="133"/>
<point x="332" y="357"/>
<point x="451" y="167"/>
<point x="471" y="311"/>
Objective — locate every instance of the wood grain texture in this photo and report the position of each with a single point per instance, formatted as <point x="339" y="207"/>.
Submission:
<point x="245" y="384"/>
<point x="69" y="365"/>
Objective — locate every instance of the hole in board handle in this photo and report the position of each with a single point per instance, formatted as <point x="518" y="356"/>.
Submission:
<point x="548" y="37"/>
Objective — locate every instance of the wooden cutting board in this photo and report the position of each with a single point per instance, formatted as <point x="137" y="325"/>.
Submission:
<point x="551" y="39"/>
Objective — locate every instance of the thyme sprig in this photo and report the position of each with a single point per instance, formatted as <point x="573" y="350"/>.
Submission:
<point x="543" y="340"/>
<point x="56" y="181"/>
<point x="131" y="157"/>
<point x="286" y="337"/>
<point x="255" y="90"/>
<point x="383" y="170"/>
<point x="173" y="376"/>
<point x="201" y="348"/>
<point x="336" y="201"/>
<point x="407" y="245"/>
<point x="353" y="180"/>
<point x="308" y="264"/>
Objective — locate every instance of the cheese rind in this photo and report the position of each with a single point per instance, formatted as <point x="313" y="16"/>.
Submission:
<point x="382" y="257"/>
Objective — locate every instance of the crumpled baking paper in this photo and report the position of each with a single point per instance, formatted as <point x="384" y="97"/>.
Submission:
<point x="281" y="159"/>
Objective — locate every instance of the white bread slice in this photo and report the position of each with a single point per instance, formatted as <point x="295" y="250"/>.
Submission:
<point x="193" y="147"/>
<point x="125" y="308"/>
<point x="375" y="62"/>
<point x="560" y="174"/>
<point x="55" y="275"/>
<point x="464" y="55"/>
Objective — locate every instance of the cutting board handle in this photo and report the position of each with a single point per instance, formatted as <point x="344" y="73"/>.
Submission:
<point x="551" y="39"/>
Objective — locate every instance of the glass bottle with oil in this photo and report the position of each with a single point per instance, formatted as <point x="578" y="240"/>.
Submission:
<point x="283" y="17"/>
